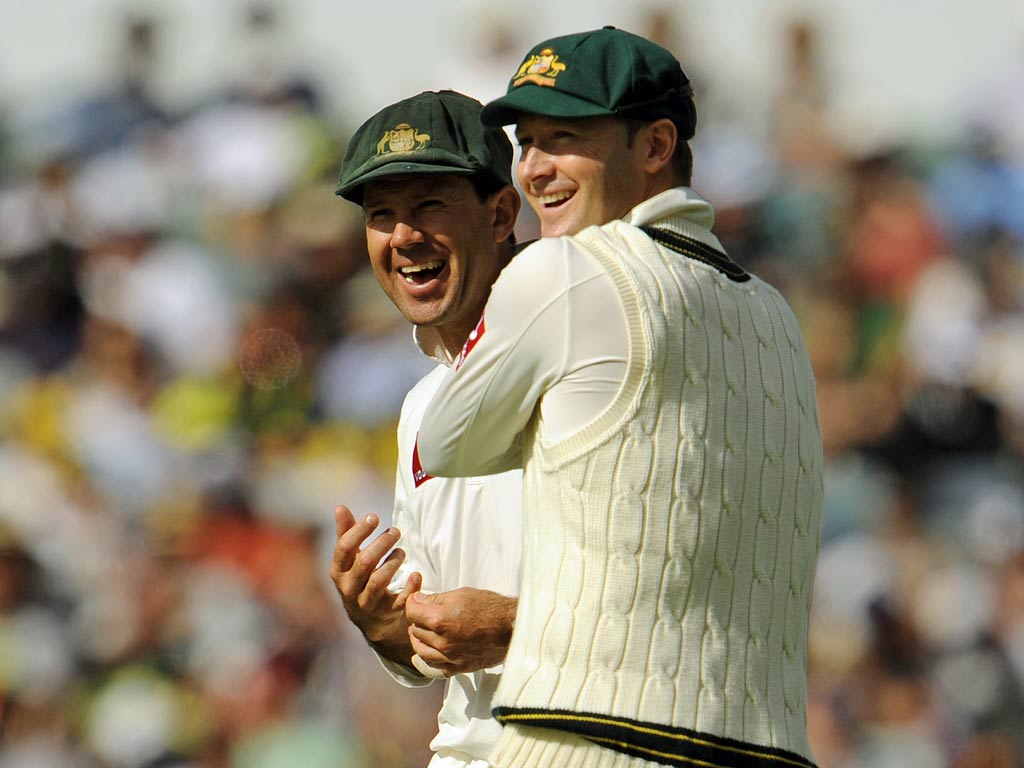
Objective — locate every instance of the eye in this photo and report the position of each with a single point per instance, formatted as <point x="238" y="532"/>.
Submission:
<point x="379" y="219"/>
<point x="524" y="141"/>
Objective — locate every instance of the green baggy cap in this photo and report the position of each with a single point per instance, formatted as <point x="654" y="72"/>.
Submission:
<point x="605" y="71"/>
<point x="432" y="132"/>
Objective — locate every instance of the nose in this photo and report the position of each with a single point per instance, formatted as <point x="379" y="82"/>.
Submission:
<point x="535" y="166"/>
<point x="405" y="234"/>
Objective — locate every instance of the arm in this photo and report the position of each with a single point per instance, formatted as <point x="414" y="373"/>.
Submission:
<point x="474" y="422"/>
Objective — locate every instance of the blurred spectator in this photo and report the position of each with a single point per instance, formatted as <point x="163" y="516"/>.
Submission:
<point x="194" y="369"/>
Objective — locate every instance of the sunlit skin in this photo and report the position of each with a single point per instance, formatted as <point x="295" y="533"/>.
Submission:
<point x="437" y="221"/>
<point x="577" y="172"/>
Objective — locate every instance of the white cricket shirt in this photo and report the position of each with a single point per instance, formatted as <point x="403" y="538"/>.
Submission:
<point x="457" y="532"/>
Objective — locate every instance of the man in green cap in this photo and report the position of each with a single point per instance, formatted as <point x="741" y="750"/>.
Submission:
<point x="661" y="402"/>
<point x="436" y="191"/>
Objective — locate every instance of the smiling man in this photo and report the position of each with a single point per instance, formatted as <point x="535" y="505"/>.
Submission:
<point x="661" y="401"/>
<point x="437" y="197"/>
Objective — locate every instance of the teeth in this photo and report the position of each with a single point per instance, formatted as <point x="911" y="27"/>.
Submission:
<point x="555" y="197"/>
<point x="409" y="271"/>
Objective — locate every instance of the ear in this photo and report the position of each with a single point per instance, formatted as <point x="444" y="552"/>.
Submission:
<point x="662" y="137"/>
<point x="506" y="209"/>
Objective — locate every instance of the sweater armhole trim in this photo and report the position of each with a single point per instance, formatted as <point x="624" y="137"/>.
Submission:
<point x="625" y="403"/>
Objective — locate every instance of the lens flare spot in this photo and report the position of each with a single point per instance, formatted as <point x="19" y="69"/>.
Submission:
<point x="269" y="358"/>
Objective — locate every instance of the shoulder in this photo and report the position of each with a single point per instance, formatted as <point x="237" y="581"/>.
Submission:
<point x="542" y="271"/>
<point x="542" y="256"/>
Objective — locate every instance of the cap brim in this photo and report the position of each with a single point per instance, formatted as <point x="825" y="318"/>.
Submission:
<point x="538" y="100"/>
<point x="352" y="189"/>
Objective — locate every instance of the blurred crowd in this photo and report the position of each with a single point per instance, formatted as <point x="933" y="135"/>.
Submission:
<point x="196" y="366"/>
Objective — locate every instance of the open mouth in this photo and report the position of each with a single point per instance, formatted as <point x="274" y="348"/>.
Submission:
<point x="555" y="199"/>
<point x="420" y="274"/>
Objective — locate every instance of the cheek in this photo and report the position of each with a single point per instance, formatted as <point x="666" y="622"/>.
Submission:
<point x="379" y="252"/>
<point x="478" y="276"/>
<point x="521" y="174"/>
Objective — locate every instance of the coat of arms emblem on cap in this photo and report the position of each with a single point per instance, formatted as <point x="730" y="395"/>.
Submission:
<point x="540" y="68"/>
<point x="402" y="138"/>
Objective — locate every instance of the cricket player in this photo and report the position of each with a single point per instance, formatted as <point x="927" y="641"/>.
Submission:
<point x="437" y="197"/>
<point x="661" y="402"/>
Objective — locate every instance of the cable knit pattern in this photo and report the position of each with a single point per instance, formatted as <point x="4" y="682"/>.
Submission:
<point x="671" y="545"/>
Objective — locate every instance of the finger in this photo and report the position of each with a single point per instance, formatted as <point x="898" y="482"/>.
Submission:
<point x="377" y="585"/>
<point x="412" y="585"/>
<point x="365" y="564"/>
<point x="343" y="520"/>
<point x="371" y="555"/>
<point x="424" y="645"/>
<point x="436" y="645"/>
<point x="425" y="669"/>
<point x="346" y="548"/>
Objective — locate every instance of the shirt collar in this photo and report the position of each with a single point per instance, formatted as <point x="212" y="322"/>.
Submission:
<point x="429" y="342"/>
<point x="675" y="202"/>
<point x="679" y="210"/>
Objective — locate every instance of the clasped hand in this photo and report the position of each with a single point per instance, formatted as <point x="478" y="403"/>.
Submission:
<point x="453" y="632"/>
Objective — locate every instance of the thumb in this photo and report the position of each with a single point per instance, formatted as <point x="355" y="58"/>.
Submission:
<point x="428" y="598"/>
<point x="411" y="588"/>
<point x="426" y="670"/>
<point x="419" y="607"/>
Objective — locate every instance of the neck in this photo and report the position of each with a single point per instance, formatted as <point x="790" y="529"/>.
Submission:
<point x="659" y="184"/>
<point x="453" y="338"/>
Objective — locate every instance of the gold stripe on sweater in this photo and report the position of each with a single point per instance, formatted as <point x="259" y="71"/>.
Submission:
<point x="665" y="744"/>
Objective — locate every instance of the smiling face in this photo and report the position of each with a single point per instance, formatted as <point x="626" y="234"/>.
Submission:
<point x="579" y="171"/>
<point x="436" y="248"/>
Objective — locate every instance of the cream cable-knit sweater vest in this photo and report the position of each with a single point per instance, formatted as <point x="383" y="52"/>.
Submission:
<point x="670" y="547"/>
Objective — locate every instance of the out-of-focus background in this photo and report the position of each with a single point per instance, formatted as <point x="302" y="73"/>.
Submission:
<point x="195" y="365"/>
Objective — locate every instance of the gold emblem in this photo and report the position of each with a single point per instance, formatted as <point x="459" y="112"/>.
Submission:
<point x="402" y="138"/>
<point x="541" y="68"/>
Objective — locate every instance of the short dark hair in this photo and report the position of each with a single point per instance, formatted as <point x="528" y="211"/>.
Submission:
<point x="682" y="158"/>
<point x="485" y="186"/>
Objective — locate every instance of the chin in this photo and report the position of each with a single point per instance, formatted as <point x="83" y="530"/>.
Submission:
<point x="555" y="229"/>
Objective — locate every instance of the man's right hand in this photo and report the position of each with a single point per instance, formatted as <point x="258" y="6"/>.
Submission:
<point x="362" y="582"/>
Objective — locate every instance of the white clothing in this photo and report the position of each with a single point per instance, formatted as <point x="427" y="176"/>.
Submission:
<point x="574" y="337"/>
<point x="671" y="535"/>
<point x="463" y="532"/>
<point x="452" y="759"/>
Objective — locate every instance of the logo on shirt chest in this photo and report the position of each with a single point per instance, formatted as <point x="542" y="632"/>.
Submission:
<point x="419" y="477"/>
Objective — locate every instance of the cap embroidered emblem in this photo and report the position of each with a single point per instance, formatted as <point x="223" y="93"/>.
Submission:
<point x="540" y="68"/>
<point x="402" y="138"/>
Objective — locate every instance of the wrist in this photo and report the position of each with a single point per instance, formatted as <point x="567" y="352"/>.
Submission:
<point x="394" y="648"/>
<point x="507" y="619"/>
